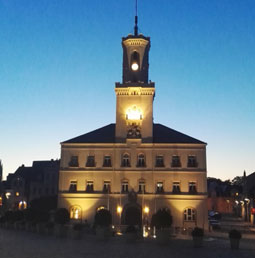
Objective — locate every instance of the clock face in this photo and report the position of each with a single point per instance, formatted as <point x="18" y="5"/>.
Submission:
<point x="134" y="113"/>
<point x="134" y="66"/>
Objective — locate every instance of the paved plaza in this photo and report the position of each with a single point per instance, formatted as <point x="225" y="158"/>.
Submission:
<point x="22" y="244"/>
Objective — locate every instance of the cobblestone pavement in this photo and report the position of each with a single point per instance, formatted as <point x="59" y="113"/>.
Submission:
<point x="21" y="244"/>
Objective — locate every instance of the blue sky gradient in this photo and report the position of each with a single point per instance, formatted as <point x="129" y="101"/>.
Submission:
<point x="59" y="60"/>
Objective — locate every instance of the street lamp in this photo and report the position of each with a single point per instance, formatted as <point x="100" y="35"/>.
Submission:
<point x="119" y="211"/>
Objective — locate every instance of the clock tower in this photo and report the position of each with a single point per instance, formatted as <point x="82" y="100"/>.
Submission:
<point x="134" y="104"/>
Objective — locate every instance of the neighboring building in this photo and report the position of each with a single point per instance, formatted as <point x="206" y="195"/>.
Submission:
<point x="29" y="183"/>
<point x="135" y="167"/>
<point x="248" y="202"/>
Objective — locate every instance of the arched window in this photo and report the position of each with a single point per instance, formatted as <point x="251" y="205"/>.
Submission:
<point x="141" y="160"/>
<point x="75" y="212"/>
<point x="125" y="160"/>
<point x="135" y="61"/>
<point x="189" y="214"/>
<point x="22" y="205"/>
<point x="101" y="208"/>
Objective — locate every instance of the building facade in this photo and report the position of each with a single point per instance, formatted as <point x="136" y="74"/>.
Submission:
<point x="30" y="183"/>
<point x="135" y="167"/>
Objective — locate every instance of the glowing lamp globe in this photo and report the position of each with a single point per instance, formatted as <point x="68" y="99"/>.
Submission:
<point x="134" y="66"/>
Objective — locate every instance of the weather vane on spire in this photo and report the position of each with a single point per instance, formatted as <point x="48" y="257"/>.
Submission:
<point x="136" y="19"/>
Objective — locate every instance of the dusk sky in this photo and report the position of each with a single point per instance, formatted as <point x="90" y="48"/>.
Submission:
<point x="59" y="60"/>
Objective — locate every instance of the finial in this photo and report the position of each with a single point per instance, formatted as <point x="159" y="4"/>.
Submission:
<point x="136" y="20"/>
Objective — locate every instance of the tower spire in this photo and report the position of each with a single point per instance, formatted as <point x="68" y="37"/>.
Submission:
<point x="136" y="20"/>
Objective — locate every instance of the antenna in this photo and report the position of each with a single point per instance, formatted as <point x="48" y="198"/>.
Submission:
<point x="136" y="20"/>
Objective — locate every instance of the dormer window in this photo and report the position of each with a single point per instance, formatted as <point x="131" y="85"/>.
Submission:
<point x="176" y="161"/>
<point x="192" y="188"/>
<point x="159" y="161"/>
<point x="141" y="160"/>
<point x="176" y="188"/>
<point x="74" y="161"/>
<point x="125" y="160"/>
<point x="160" y="188"/>
<point x="124" y="186"/>
<point x="73" y="186"/>
<point x="90" y="187"/>
<point x="141" y="186"/>
<point x="192" y="161"/>
<point x="107" y="161"/>
<point x="107" y="187"/>
<point x="90" y="161"/>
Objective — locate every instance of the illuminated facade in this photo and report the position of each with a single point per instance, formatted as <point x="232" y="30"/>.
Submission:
<point x="135" y="167"/>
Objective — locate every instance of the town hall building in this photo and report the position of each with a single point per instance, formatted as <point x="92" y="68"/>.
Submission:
<point x="134" y="167"/>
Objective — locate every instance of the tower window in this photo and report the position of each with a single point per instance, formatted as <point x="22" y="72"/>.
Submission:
<point x="124" y="187"/>
<point x="141" y="160"/>
<point x="107" y="161"/>
<point x="90" y="187"/>
<point x="107" y="187"/>
<point x="160" y="188"/>
<point x="126" y="160"/>
<point x="176" y="161"/>
<point x="159" y="161"/>
<point x="135" y="61"/>
<point x="192" y="161"/>
<point x="90" y="161"/>
<point x="74" y="161"/>
<point x="73" y="186"/>
<point x="192" y="188"/>
<point x="141" y="186"/>
<point x="176" y="188"/>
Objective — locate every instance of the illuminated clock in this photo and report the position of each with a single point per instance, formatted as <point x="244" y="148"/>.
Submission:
<point x="134" y="66"/>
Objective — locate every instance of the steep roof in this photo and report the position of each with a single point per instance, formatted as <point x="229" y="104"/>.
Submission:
<point x="161" y="134"/>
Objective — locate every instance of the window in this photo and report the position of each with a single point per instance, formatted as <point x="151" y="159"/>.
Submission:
<point x="141" y="187"/>
<point x="73" y="186"/>
<point x="74" y="161"/>
<point x="160" y="188"/>
<point x="107" y="187"/>
<point x="176" y="161"/>
<point x="192" y="161"/>
<point x="107" y="161"/>
<point x="126" y="160"/>
<point x="192" y="187"/>
<point x="176" y="187"/>
<point x="90" y="161"/>
<point x="90" y="187"/>
<point x="159" y="161"/>
<point x="75" y="212"/>
<point x="189" y="214"/>
<point x="124" y="187"/>
<point x="141" y="160"/>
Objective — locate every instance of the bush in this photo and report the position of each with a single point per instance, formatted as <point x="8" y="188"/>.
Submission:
<point x="197" y="232"/>
<point x="131" y="229"/>
<point x="62" y="216"/>
<point x="103" y="218"/>
<point x="42" y="216"/>
<point x="235" y="234"/>
<point x="29" y="215"/>
<point x="9" y="216"/>
<point x="18" y="216"/>
<point x="161" y="219"/>
<point x="49" y="225"/>
<point x="77" y="226"/>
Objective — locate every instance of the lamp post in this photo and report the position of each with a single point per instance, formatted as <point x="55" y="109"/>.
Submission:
<point x="146" y="211"/>
<point x="119" y="211"/>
